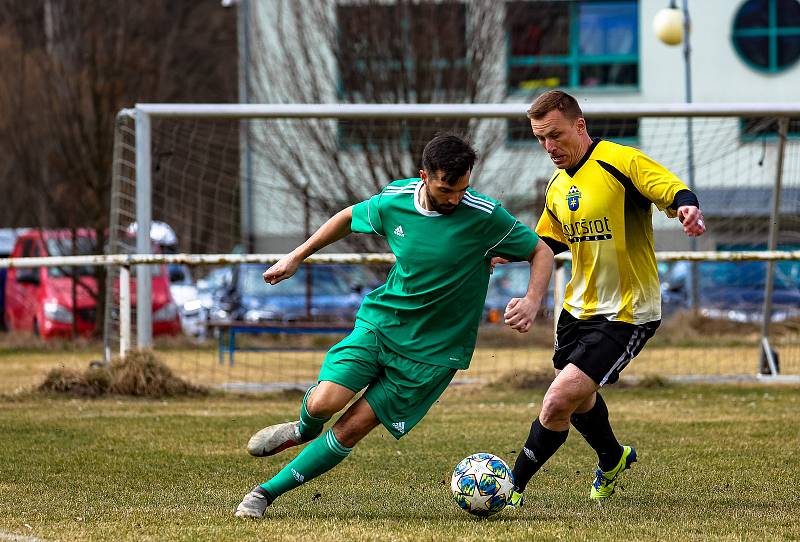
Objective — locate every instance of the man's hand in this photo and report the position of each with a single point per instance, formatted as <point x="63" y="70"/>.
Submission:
<point x="282" y="269"/>
<point x="692" y="219"/>
<point x="520" y="314"/>
<point x="497" y="260"/>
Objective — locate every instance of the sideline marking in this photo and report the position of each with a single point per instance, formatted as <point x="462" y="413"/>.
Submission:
<point x="19" y="537"/>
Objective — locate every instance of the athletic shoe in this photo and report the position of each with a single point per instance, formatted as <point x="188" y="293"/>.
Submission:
<point x="274" y="439"/>
<point x="253" y="505"/>
<point x="515" y="501"/>
<point x="604" y="482"/>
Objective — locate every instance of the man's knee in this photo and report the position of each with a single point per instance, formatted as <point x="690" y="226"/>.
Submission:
<point x="327" y="399"/>
<point x="556" y="409"/>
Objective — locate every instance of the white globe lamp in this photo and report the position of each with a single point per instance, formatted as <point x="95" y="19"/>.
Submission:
<point x="668" y="25"/>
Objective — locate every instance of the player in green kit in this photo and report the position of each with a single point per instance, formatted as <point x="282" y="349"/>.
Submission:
<point x="414" y="332"/>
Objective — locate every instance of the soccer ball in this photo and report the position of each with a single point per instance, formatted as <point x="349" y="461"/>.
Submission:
<point x="482" y="484"/>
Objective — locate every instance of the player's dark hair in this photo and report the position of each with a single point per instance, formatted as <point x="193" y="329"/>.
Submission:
<point x="555" y="100"/>
<point x="451" y="155"/>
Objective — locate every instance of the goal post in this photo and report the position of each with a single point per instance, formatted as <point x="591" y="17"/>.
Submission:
<point x="736" y="146"/>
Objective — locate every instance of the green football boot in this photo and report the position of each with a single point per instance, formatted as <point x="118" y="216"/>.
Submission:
<point x="605" y="482"/>
<point x="515" y="501"/>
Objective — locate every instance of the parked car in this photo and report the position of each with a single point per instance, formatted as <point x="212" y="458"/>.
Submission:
<point x="7" y="238"/>
<point x="336" y="292"/>
<point x="734" y="290"/>
<point x="40" y="299"/>
<point x="193" y="313"/>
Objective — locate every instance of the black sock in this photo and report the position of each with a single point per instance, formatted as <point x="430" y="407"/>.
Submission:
<point x="541" y="444"/>
<point x="596" y="429"/>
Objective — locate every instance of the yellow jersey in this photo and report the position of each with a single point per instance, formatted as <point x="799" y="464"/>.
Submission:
<point x="602" y="211"/>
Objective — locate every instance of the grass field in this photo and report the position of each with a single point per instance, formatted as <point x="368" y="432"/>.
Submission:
<point x="716" y="463"/>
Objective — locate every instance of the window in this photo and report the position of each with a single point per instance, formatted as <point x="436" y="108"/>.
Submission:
<point x="624" y="131"/>
<point x="766" y="34"/>
<point x="28" y="274"/>
<point x="574" y="43"/>
<point x="399" y="53"/>
<point x="767" y="127"/>
<point x="64" y="247"/>
<point x="412" y="50"/>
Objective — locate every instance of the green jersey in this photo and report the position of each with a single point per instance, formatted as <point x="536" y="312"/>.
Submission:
<point x="432" y="302"/>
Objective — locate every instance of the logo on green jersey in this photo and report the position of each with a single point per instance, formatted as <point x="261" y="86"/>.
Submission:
<point x="573" y="198"/>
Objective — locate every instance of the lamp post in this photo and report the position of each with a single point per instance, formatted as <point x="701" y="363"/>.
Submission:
<point x="671" y="26"/>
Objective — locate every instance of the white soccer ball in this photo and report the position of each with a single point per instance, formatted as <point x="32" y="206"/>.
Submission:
<point x="482" y="484"/>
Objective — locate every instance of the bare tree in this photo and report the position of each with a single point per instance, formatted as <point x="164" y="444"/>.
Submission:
<point x="67" y="67"/>
<point x="369" y="52"/>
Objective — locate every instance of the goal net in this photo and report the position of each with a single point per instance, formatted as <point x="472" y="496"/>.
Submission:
<point x="257" y="180"/>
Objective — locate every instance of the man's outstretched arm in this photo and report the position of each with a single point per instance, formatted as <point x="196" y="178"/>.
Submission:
<point x="337" y="227"/>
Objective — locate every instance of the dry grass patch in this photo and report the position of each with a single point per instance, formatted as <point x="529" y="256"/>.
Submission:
<point x="139" y="374"/>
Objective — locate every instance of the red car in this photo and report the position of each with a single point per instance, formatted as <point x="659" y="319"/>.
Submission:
<point x="39" y="299"/>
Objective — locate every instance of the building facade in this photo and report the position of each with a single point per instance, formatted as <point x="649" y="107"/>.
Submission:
<point x="603" y="51"/>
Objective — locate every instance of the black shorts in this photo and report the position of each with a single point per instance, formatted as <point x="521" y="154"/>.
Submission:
<point x="600" y="348"/>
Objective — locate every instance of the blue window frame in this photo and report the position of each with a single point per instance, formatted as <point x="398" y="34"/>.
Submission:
<point x="573" y="44"/>
<point x="766" y="34"/>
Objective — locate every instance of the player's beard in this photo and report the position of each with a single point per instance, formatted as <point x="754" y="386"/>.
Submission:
<point x="442" y="210"/>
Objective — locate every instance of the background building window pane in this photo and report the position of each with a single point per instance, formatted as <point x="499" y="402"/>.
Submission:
<point x="398" y="52"/>
<point x="756" y="50"/>
<point x="753" y="14"/>
<point x="438" y="30"/>
<point x="766" y="33"/>
<point x="594" y="75"/>
<point x="788" y="13"/>
<point x="572" y="43"/>
<point x="613" y="129"/>
<point x="788" y="49"/>
<point x="535" y="77"/>
<point x="608" y="28"/>
<point x="540" y="28"/>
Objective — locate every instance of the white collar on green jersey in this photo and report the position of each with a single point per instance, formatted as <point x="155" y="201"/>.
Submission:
<point x="418" y="202"/>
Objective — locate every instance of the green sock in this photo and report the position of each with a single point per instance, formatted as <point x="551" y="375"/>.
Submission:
<point x="320" y="456"/>
<point x="310" y="427"/>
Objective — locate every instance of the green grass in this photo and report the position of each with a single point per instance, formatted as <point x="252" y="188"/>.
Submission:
<point x="716" y="463"/>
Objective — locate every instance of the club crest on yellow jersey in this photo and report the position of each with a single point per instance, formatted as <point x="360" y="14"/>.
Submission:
<point x="573" y="198"/>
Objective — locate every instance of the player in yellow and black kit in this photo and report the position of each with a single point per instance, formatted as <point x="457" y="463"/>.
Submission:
<point x="599" y="207"/>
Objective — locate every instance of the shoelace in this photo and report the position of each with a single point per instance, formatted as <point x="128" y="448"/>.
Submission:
<point x="601" y="480"/>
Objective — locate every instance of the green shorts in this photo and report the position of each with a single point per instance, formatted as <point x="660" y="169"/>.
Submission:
<point x="399" y="390"/>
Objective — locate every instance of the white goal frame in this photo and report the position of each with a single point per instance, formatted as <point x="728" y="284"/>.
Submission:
<point x="144" y="113"/>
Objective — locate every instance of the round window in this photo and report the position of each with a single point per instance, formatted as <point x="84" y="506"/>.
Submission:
<point x="766" y="33"/>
